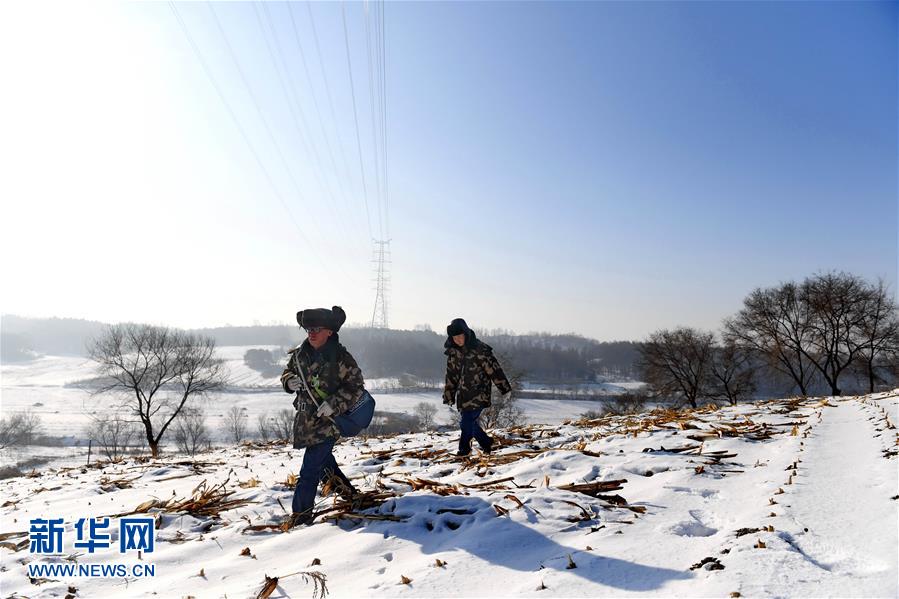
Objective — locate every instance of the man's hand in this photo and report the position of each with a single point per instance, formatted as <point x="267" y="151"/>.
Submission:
<point x="294" y="383"/>
<point x="324" y="410"/>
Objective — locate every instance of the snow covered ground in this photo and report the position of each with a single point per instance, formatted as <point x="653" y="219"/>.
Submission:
<point x="48" y="387"/>
<point x="783" y="498"/>
<point x="604" y="388"/>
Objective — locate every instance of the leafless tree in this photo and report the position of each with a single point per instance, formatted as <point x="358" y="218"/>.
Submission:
<point x="591" y="415"/>
<point x="263" y="427"/>
<point x="878" y="336"/>
<point x="676" y="363"/>
<point x="776" y="323"/>
<point x="837" y="303"/>
<point x="19" y="428"/>
<point x="825" y="327"/>
<point x="191" y="434"/>
<point x="156" y="372"/>
<point x="504" y="411"/>
<point x="425" y="412"/>
<point x="732" y="373"/>
<point x="283" y="425"/>
<point x="626" y="403"/>
<point x="112" y="433"/>
<point x="452" y="413"/>
<point x="235" y="424"/>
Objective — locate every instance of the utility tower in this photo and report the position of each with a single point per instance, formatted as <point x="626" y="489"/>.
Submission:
<point x="382" y="259"/>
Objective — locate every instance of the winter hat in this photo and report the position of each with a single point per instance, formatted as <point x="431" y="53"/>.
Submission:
<point x="457" y="327"/>
<point x="331" y="319"/>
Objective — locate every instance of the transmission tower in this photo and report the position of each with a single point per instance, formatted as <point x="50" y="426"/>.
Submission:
<point x="382" y="259"/>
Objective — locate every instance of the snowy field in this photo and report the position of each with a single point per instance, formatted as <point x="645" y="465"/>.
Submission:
<point x="783" y="498"/>
<point x="44" y="386"/>
<point x="604" y="388"/>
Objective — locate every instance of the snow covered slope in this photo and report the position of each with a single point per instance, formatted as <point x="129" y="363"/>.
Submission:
<point x="785" y="498"/>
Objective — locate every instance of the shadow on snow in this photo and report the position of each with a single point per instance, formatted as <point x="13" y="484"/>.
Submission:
<point x="440" y="524"/>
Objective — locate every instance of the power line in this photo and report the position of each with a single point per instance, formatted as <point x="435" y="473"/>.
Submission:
<point x="325" y="137"/>
<point x="293" y="100"/>
<point x="266" y="125"/>
<point x="374" y="122"/>
<point x="237" y="124"/>
<point x="346" y="38"/>
<point x="324" y="72"/>
<point x="312" y="247"/>
<point x="384" y="116"/>
<point x="255" y="102"/>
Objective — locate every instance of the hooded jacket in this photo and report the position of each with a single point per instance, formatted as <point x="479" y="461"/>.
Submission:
<point x="470" y="370"/>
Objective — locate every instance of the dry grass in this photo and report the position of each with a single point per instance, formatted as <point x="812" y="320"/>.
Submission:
<point x="204" y="502"/>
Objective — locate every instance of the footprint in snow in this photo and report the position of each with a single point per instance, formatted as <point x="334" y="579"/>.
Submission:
<point x="704" y="493"/>
<point x="693" y="528"/>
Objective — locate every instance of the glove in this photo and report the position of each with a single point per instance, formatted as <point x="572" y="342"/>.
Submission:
<point x="294" y="383"/>
<point x="324" y="410"/>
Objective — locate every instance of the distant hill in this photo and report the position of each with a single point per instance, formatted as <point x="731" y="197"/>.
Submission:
<point x="380" y="352"/>
<point x="57" y="336"/>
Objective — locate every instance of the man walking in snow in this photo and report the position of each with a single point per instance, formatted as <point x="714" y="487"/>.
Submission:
<point x="471" y="367"/>
<point x="327" y="381"/>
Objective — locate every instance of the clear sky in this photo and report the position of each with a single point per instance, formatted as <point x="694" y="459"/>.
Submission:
<point x="603" y="168"/>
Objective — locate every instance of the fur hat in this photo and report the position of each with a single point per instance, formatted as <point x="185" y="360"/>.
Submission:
<point x="331" y="319"/>
<point x="457" y="327"/>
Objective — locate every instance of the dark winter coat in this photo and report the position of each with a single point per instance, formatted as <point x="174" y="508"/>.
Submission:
<point x="333" y="375"/>
<point x="470" y="370"/>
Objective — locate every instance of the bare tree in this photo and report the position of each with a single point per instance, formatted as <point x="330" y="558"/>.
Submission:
<point x="732" y="373"/>
<point x="453" y="413"/>
<point x="626" y="403"/>
<point x="776" y="323"/>
<point x="191" y="434"/>
<point x="263" y="427"/>
<point x="235" y="424"/>
<point x="425" y="412"/>
<point x="878" y="336"/>
<point x="503" y="411"/>
<point x="676" y="363"/>
<point x="837" y="303"/>
<point x="112" y="433"/>
<point x="283" y="425"/>
<point x="19" y="428"/>
<point x="155" y="372"/>
<point x="826" y="326"/>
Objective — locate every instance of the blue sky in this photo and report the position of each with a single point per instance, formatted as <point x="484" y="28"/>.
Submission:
<point x="603" y="168"/>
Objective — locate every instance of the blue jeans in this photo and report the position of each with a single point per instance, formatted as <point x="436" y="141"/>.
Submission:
<point x="318" y="466"/>
<point x="472" y="429"/>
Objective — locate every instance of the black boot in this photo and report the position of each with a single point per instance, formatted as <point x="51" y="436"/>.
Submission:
<point x="303" y="518"/>
<point x="488" y="447"/>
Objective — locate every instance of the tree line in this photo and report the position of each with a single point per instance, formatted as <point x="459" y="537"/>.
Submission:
<point x="418" y="355"/>
<point x="381" y="353"/>
<point x="830" y="333"/>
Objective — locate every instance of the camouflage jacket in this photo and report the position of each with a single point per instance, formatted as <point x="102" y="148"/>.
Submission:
<point x="470" y="370"/>
<point x="333" y="375"/>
